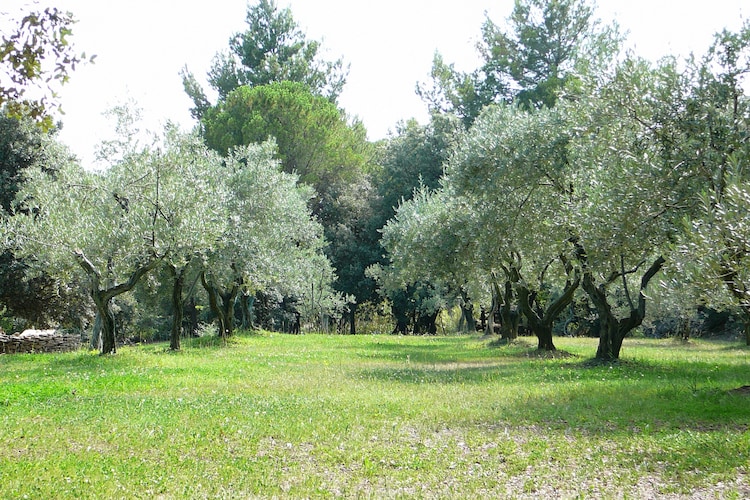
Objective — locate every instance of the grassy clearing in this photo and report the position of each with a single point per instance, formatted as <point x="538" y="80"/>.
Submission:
<point x="376" y="416"/>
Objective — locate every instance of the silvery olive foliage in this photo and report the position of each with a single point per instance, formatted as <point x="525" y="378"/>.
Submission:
<point x="172" y="201"/>
<point x="714" y="126"/>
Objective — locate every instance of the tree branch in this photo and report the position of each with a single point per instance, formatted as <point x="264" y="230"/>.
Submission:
<point x="139" y="272"/>
<point x="625" y="282"/>
<point x="88" y="267"/>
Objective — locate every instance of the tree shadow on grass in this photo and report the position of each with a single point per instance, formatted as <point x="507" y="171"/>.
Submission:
<point x="738" y="346"/>
<point x="581" y="395"/>
<point x="443" y="350"/>
<point x="701" y="345"/>
<point x="520" y="343"/>
<point x="459" y="349"/>
<point x="630" y="409"/>
<point x="441" y="373"/>
<point x="37" y="364"/>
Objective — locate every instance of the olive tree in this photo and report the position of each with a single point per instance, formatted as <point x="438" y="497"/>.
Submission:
<point x="153" y="204"/>
<point x="712" y="144"/>
<point x="513" y="172"/>
<point x="192" y="202"/>
<point x="270" y="238"/>
<point x="585" y="194"/>
<point x="428" y="256"/>
<point x="102" y="223"/>
<point x="628" y="192"/>
<point x="499" y="219"/>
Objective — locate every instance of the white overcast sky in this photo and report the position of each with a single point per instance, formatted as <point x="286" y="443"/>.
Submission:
<point x="141" y="45"/>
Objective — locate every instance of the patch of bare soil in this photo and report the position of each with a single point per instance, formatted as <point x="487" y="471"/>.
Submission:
<point x="501" y="342"/>
<point x="530" y="351"/>
<point x="741" y="391"/>
<point x="542" y="354"/>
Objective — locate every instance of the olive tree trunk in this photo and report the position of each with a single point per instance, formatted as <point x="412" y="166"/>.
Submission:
<point x="221" y="302"/>
<point x="541" y="322"/>
<point x="96" y="333"/>
<point x="740" y="292"/>
<point x="612" y="331"/>
<point x="503" y="303"/>
<point x="247" y="301"/>
<point x="352" y="318"/>
<point x="467" y="323"/>
<point x="103" y="296"/>
<point x="178" y="306"/>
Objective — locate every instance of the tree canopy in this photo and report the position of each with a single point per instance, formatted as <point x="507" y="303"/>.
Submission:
<point x="545" y="45"/>
<point x="313" y="137"/>
<point x="272" y="50"/>
<point x="560" y="182"/>
<point x="168" y="202"/>
<point x="270" y="240"/>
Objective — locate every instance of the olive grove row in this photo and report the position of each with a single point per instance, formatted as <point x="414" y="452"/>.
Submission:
<point x="562" y="169"/>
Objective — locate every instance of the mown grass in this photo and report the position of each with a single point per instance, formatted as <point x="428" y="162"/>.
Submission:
<point x="376" y="416"/>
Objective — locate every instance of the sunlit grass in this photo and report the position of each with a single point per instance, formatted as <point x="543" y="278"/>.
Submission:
<point x="379" y="416"/>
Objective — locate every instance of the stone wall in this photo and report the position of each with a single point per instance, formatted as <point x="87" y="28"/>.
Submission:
<point x="38" y="341"/>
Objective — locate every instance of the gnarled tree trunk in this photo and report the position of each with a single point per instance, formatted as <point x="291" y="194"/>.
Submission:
<point x="103" y="303"/>
<point x="426" y="323"/>
<point x="542" y="324"/>
<point x="612" y="330"/>
<point x="247" y="301"/>
<point x="352" y="318"/>
<point x="503" y="303"/>
<point x="96" y="333"/>
<point x="103" y="296"/>
<point x="222" y="305"/>
<point x="467" y="323"/>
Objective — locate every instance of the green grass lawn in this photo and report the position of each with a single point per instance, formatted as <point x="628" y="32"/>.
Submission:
<point x="376" y="416"/>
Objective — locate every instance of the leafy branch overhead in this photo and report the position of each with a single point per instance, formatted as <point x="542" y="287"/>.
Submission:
<point x="34" y="58"/>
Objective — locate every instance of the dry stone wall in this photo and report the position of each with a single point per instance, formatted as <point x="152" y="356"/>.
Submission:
<point x="38" y="341"/>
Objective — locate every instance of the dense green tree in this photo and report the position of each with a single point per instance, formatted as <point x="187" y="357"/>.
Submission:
<point x="314" y="139"/>
<point x="22" y="144"/>
<point x="413" y="158"/>
<point x="273" y="84"/>
<point x="272" y="50"/>
<point x="546" y="44"/>
<point x="353" y="242"/>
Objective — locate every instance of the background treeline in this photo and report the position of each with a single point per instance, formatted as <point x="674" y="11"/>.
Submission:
<point x="558" y="188"/>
